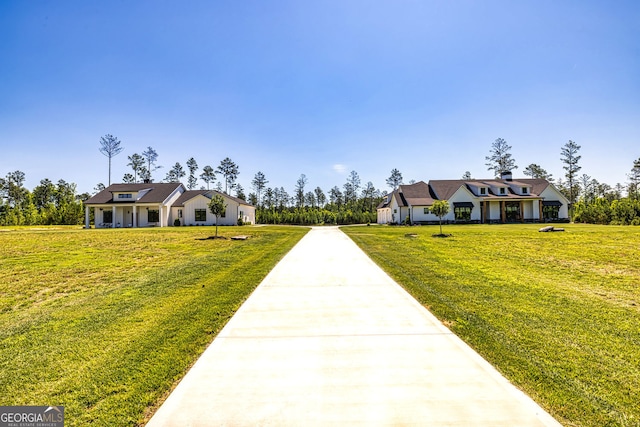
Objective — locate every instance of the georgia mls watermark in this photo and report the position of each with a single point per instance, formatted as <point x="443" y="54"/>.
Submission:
<point x="31" y="416"/>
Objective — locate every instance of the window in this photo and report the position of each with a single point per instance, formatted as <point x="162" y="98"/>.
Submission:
<point x="124" y="196"/>
<point x="223" y="214"/>
<point x="395" y="211"/>
<point x="503" y="190"/>
<point x="525" y="190"/>
<point x="153" y="215"/>
<point x="201" y="214"/>
<point x="179" y="213"/>
<point x="551" y="212"/>
<point x="426" y="211"/>
<point x="107" y="216"/>
<point x="462" y="213"/>
<point x="483" y="191"/>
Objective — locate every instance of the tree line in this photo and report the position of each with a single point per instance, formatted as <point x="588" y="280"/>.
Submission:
<point x="353" y="204"/>
<point x="47" y="204"/>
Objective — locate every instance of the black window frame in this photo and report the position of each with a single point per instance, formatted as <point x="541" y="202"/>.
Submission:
<point x="462" y="213"/>
<point x="551" y="212"/>
<point x="199" y="214"/>
<point x="153" y="215"/>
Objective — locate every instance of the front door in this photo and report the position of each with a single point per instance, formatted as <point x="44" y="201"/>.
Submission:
<point x="512" y="211"/>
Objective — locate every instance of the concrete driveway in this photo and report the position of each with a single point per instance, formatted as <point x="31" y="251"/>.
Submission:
<point x="328" y="338"/>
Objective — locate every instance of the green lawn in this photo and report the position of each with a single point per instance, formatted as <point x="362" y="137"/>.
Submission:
<point x="104" y="322"/>
<point x="557" y="313"/>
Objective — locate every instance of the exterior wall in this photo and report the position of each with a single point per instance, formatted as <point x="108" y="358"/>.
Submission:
<point x="189" y="212"/>
<point x="527" y="209"/>
<point x="464" y="195"/>
<point x="201" y="202"/>
<point x="384" y="216"/>
<point x="536" y="214"/>
<point x="418" y="215"/>
<point x="494" y="210"/>
<point x="167" y="212"/>
<point x="551" y="193"/>
<point x="396" y="212"/>
<point x="248" y="214"/>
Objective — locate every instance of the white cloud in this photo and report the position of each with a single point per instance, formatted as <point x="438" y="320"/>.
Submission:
<point x="341" y="169"/>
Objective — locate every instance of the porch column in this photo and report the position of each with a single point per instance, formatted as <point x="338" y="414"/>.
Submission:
<point x="502" y="211"/>
<point x="113" y="217"/>
<point x="135" y="217"/>
<point x="161" y="214"/>
<point x="540" y="216"/>
<point x="487" y="209"/>
<point x="86" y="217"/>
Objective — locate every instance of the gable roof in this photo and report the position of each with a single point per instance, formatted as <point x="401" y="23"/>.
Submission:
<point x="418" y="194"/>
<point x="444" y="188"/>
<point x="190" y="194"/>
<point x="157" y="193"/>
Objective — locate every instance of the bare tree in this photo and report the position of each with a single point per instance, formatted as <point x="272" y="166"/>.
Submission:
<point x="136" y="162"/>
<point x="151" y="156"/>
<point x="110" y="147"/>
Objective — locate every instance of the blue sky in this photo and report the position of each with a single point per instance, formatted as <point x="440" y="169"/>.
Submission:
<point x="320" y="88"/>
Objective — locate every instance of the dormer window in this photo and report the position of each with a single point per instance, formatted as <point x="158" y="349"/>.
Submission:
<point x="124" y="196"/>
<point x="525" y="190"/>
<point x="503" y="190"/>
<point x="483" y="191"/>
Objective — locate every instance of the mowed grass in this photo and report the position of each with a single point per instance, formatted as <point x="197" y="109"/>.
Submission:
<point x="104" y="322"/>
<point x="557" y="313"/>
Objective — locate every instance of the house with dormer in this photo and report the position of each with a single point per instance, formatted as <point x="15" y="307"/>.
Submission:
<point x="160" y="205"/>
<point x="502" y="200"/>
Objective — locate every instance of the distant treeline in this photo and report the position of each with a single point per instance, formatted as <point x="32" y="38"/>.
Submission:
<point x="624" y="211"/>
<point x="47" y="204"/>
<point x="314" y="216"/>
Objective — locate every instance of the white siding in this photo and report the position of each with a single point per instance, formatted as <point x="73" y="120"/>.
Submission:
<point x="460" y="196"/>
<point x="494" y="210"/>
<point x="551" y="193"/>
<point x="527" y="209"/>
<point x="384" y="216"/>
<point x="231" y="216"/>
<point x="418" y="215"/>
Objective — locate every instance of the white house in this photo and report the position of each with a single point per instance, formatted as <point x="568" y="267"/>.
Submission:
<point x="192" y="208"/>
<point x="160" y="204"/>
<point x="479" y="201"/>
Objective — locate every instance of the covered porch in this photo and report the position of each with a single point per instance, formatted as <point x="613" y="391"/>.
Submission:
<point x="126" y="216"/>
<point x="511" y="210"/>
